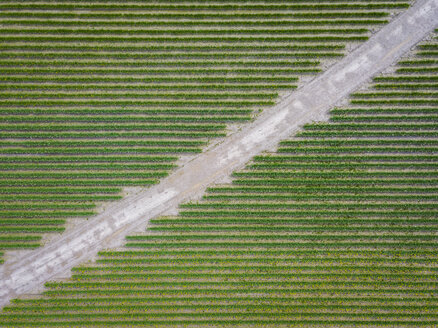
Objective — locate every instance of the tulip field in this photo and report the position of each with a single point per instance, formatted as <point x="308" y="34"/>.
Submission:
<point x="336" y="228"/>
<point x="100" y="95"/>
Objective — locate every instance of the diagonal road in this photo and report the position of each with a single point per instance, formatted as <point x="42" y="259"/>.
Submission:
<point x="310" y="103"/>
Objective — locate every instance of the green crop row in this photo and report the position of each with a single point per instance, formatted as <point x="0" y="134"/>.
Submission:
<point x="389" y="94"/>
<point x="191" y="39"/>
<point x="400" y="79"/>
<point x="246" y="285"/>
<point x="95" y="166"/>
<point x="325" y="11"/>
<point x="158" y="80"/>
<point x="270" y="264"/>
<point x="168" y="49"/>
<point x="232" y="292"/>
<point x="279" y="228"/>
<point x="30" y="229"/>
<point x="335" y="182"/>
<point x="299" y="301"/>
<point x="314" y="197"/>
<point x="429" y="46"/>
<point x="124" y="119"/>
<point x="226" y="224"/>
<point x="12" y="207"/>
<point x="369" y="126"/>
<point x="337" y="158"/>
<point x="427" y="53"/>
<point x="172" y="2"/>
<point x="402" y="101"/>
<point x="175" y="18"/>
<point x="355" y="142"/>
<point x="417" y="70"/>
<point x="234" y="276"/>
<point x="335" y="20"/>
<point x="417" y="62"/>
<point x="286" y="245"/>
<point x="112" y="127"/>
<point x="391" y="110"/>
<point x="158" y="88"/>
<point x="143" y="95"/>
<point x="15" y="34"/>
<point x="406" y="86"/>
<point x="44" y="214"/>
<point x="18" y="245"/>
<point x="100" y="151"/>
<point x="14" y="238"/>
<point x="82" y="175"/>
<point x="100" y="143"/>
<point x="207" y="308"/>
<point x="211" y="6"/>
<point x="108" y="134"/>
<point x="352" y="150"/>
<point x="300" y="206"/>
<point x="234" y="271"/>
<point x="386" y="118"/>
<point x="28" y="222"/>
<point x="308" y="263"/>
<point x="182" y="254"/>
<point x="124" y="102"/>
<point x="335" y="174"/>
<point x="147" y="71"/>
<point x="197" y="223"/>
<point x="278" y="225"/>
<point x="175" y="56"/>
<point x="374" y="134"/>
<point x="89" y="159"/>
<point x="125" y="111"/>
<point x="346" y="213"/>
<point x="58" y="190"/>
<point x="41" y="62"/>
<point x="325" y="189"/>
<point x="157" y="239"/>
<point x="56" y="198"/>
<point x="344" y="166"/>
<point x="77" y="182"/>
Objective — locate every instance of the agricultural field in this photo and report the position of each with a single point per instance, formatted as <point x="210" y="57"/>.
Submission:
<point x="337" y="228"/>
<point x="100" y="95"/>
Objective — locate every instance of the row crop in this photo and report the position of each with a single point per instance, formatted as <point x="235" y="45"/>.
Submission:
<point x="352" y="150"/>
<point x="335" y="21"/>
<point x="41" y="62"/>
<point x="169" y="56"/>
<point x="346" y="158"/>
<point x="204" y="7"/>
<point x="77" y="182"/>
<point x="100" y="143"/>
<point x="326" y="189"/>
<point x="192" y="39"/>
<point x="94" y="166"/>
<point x="100" y="150"/>
<point x="112" y="127"/>
<point x="11" y="33"/>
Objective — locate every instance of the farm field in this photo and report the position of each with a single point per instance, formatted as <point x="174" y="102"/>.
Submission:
<point x="96" y="96"/>
<point x="337" y="228"/>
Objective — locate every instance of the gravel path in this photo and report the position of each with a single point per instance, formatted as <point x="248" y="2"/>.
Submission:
<point x="28" y="273"/>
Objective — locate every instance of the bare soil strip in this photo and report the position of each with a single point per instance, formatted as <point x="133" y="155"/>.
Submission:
<point x="310" y="103"/>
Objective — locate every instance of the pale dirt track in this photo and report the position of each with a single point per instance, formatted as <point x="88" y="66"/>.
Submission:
<point x="29" y="272"/>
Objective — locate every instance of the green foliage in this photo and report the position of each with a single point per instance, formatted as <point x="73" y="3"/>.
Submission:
<point x="337" y="228"/>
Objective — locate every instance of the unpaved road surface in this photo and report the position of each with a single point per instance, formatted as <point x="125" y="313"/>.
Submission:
<point x="28" y="273"/>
